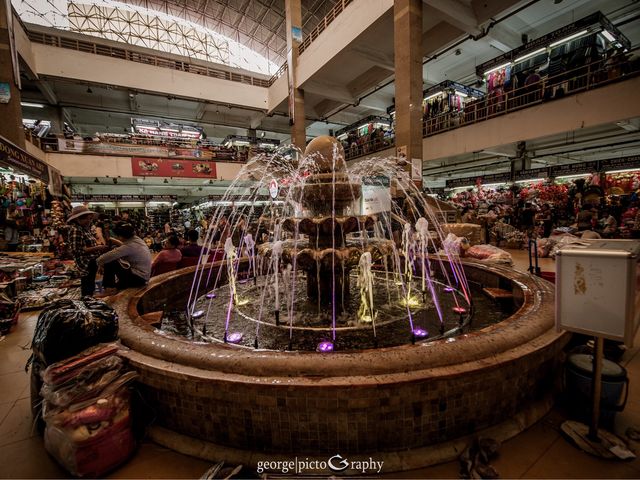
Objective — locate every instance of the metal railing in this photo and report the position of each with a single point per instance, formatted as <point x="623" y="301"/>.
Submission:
<point x="337" y="9"/>
<point x="144" y="58"/>
<point x="497" y="103"/>
<point x="571" y="82"/>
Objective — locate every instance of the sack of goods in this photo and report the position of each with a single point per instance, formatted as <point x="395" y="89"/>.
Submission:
<point x="86" y="409"/>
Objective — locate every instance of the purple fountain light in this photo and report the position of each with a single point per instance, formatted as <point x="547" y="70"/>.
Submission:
<point x="235" y="337"/>
<point x="211" y="295"/>
<point x="197" y="314"/>
<point x="449" y="289"/>
<point x="325" y="347"/>
<point x="419" y="332"/>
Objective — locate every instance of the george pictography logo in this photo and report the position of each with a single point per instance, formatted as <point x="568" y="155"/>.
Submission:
<point x="337" y="463"/>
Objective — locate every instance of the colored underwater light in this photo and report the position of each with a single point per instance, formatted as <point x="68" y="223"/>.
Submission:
<point x="325" y="347"/>
<point x="460" y="310"/>
<point x="235" y="337"/>
<point x="420" y="332"/>
<point x="449" y="289"/>
<point x="197" y="314"/>
<point x="211" y="295"/>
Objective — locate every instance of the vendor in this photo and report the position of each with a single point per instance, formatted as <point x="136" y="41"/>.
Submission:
<point x="128" y="265"/>
<point x="11" y="228"/>
<point x="84" y="247"/>
<point x="584" y="218"/>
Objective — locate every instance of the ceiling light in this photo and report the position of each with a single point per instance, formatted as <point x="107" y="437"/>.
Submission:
<point x="625" y="170"/>
<point x="166" y="181"/>
<point x="89" y="90"/>
<point x="608" y="35"/>
<point x="32" y="105"/>
<point x="497" y="68"/>
<point x="569" y="177"/>
<point x="115" y="181"/>
<point x="434" y="95"/>
<point x="531" y="54"/>
<point x="95" y="180"/>
<point x="570" y="37"/>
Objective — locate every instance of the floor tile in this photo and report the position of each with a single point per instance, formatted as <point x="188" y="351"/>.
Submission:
<point x="29" y="459"/>
<point x="563" y="460"/>
<point x="18" y="424"/>
<point x="4" y="410"/>
<point x="12" y="385"/>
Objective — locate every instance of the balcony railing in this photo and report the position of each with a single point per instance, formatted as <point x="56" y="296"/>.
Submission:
<point x="548" y="89"/>
<point x="145" y="58"/>
<point x="337" y="9"/>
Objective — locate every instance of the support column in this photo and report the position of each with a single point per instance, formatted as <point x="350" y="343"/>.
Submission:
<point x="11" y="112"/>
<point x="293" y="11"/>
<point x="407" y="39"/>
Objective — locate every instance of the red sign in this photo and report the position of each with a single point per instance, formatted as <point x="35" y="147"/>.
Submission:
<point x="162" y="167"/>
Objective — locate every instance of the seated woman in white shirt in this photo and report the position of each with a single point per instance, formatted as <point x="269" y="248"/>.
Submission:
<point x="128" y="265"/>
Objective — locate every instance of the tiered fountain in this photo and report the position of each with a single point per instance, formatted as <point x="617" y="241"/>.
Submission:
<point x="336" y="337"/>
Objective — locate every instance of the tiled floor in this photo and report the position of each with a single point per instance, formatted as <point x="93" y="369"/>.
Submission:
<point x="539" y="452"/>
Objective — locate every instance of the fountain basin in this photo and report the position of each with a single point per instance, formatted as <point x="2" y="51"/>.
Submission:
<point x="253" y="404"/>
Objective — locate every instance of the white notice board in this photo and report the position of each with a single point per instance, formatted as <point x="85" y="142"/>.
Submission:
<point x="596" y="289"/>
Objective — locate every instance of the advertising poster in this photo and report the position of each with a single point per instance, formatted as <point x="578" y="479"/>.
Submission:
<point x="162" y="167"/>
<point x="5" y="92"/>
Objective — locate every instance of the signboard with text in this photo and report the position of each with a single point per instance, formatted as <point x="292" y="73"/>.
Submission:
<point x="162" y="167"/>
<point x="16" y="158"/>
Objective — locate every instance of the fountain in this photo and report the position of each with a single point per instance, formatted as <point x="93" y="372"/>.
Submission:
<point x="346" y="332"/>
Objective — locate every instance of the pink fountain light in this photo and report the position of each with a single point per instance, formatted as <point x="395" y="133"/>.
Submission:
<point x="460" y="310"/>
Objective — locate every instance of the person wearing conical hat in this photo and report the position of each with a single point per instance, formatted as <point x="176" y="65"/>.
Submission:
<point x="84" y="247"/>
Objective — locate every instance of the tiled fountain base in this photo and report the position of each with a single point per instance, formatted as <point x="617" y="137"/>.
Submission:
<point x="373" y="401"/>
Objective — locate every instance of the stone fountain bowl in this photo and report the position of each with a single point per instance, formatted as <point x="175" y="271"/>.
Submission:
<point x="321" y="193"/>
<point x="347" y="256"/>
<point x="325" y="225"/>
<point x="411" y="405"/>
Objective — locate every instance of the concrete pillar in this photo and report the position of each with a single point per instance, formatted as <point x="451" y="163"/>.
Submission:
<point x="407" y="38"/>
<point x="293" y="10"/>
<point x="11" y="112"/>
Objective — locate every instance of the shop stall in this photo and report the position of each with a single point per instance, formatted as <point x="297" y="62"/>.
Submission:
<point x="367" y="135"/>
<point x="563" y="61"/>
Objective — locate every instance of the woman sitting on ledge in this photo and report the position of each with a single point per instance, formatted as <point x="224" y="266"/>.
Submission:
<point x="168" y="259"/>
<point x="128" y="265"/>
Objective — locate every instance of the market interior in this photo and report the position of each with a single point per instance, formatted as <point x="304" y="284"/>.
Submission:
<point x="351" y="180"/>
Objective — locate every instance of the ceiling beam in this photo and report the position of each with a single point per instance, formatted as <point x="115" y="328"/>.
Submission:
<point x="456" y="13"/>
<point x="47" y="91"/>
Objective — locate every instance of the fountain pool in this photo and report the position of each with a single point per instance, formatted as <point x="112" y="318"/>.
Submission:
<point x="343" y="333"/>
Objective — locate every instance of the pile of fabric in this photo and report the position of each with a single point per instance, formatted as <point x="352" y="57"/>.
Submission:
<point x="490" y="254"/>
<point x="87" y="411"/>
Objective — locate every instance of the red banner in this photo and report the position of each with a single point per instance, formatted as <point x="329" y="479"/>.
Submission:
<point x="161" y="167"/>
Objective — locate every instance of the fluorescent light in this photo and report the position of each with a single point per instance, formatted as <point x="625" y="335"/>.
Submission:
<point x="434" y="95"/>
<point x="608" y="35"/>
<point x="493" y="184"/>
<point x="32" y="105"/>
<point x="530" y="180"/>
<point x="570" y="37"/>
<point x="461" y="94"/>
<point x="530" y="54"/>
<point x="497" y="68"/>
<point x="624" y="170"/>
<point x="241" y="142"/>
<point x="568" y="177"/>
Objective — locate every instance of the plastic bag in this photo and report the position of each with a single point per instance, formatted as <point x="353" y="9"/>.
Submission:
<point x="93" y="440"/>
<point x="489" y="253"/>
<point x="67" y="327"/>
